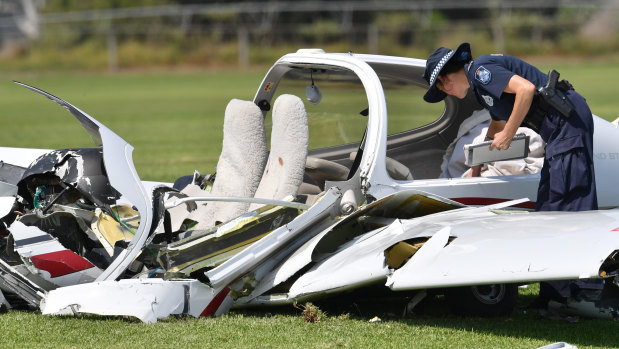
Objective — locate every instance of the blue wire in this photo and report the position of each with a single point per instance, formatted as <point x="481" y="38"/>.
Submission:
<point x="153" y="272"/>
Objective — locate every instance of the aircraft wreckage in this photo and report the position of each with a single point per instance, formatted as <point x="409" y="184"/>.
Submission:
<point x="82" y="233"/>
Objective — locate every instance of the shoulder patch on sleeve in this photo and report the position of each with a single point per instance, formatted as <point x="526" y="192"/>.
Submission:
<point x="483" y="75"/>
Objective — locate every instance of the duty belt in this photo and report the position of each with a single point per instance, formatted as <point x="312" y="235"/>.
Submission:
<point x="550" y="96"/>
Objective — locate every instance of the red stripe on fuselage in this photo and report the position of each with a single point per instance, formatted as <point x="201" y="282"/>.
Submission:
<point x="60" y="263"/>
<point x="491" y="201"/>
<point x="212" y="307"/>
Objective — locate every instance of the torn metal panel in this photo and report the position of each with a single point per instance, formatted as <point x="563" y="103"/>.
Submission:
<point x="10" y="173"/>
<point x="424" y="256"/>
<point x="361" y="261"/>
<point x="241" y="263"/>
<point x="366" y="219"/>
<point x="80" y="169"/>
<point x="72" y="232"/>
<point x="253" y="282"/>
<point x="109" y="231"/>
<point x="145" y="299"/>
<point x="212" y="247"/>
<point x="191" y="210"/>
<point x="44" y="255"/>
<point x="91" y="125"/>
<point x="396" y="255"/>
<point x="290" y="265"/>
<point x="15" y="282"/>
<point x="516" y="248"/>
<point x="123" y="177"/>
<point x="343" y="271"/>
<point x="407" y="204"/>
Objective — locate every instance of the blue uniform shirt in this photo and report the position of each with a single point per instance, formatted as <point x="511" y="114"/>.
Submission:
<point x="488" y="76"/>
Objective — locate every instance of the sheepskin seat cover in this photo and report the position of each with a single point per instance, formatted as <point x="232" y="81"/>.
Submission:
<point x="289" y="142"/>
<point x="241" y="163"/>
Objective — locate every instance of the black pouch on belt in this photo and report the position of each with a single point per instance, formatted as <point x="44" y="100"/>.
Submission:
<point x="553" y="94"/>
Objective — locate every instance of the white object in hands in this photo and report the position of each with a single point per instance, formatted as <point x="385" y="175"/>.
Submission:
<point x="480" y="153"/>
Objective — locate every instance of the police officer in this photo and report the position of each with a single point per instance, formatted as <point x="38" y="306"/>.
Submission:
<point x="517" y="93"/>
<point x="508" y="88"/>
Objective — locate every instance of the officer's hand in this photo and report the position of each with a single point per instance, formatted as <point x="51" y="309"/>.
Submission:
<point x="502" y="140"/>
<point x="475" y="171"/>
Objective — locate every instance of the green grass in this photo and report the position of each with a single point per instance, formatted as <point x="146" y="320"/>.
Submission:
<point x="596" y="81"/>
<point x="174" y="120"/>
<point x="285" y="328"/>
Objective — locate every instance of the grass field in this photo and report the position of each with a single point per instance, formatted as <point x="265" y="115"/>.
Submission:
<point x="286" y="328"/>
<point x="174" y="119"/>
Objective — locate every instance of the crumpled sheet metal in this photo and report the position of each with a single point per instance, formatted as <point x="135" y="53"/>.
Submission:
<point x="16" y="282"/>
<point x="117" y="156"/>
<point x="53" y="262"/>
<point x="516" y="248"/>
<point x="237" y="276"/>
<point x="325" y="209"/>
<point x="327" y="276"/>
<point x="362" y="261"/>
<point x="480" y="238"/>
<point x="152" y="299"/>
<point x="351" y="270"/>
<point x="214" y="246"/>
<point x="80" y="168"/>
<point x="423" y="257"/>
<point x="109" y="231"/>
<point x="145" y="299"/>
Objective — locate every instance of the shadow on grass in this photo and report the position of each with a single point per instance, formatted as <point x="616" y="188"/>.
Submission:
<point x="434" y="312"/>
<point x="356" y="307"/>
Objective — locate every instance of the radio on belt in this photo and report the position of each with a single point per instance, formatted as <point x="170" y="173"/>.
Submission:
<point x="480" y="153"/>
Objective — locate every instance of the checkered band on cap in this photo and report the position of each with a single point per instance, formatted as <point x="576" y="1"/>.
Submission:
<point x="439" y="66"/>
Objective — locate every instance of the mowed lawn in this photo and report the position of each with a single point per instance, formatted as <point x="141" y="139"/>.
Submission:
<point x="174" y="121"/>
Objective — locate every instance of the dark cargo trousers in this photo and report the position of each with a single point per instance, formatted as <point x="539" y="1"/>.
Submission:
<point x="567" y="180"/>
